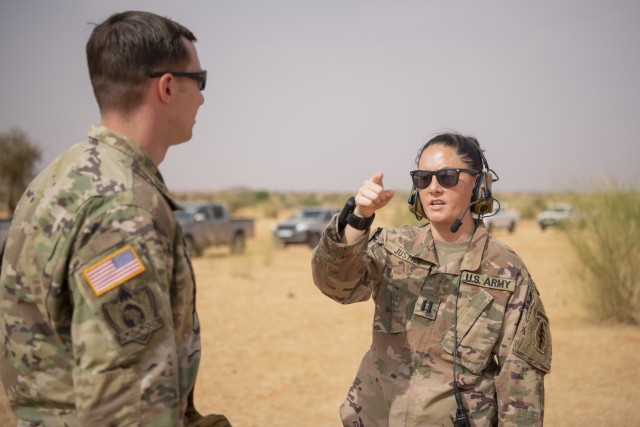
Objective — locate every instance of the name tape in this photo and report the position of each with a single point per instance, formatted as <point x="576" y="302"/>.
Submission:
<point x="489" y="282"/>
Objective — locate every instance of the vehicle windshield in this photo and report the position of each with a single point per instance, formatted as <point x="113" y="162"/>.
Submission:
<point x="187" y="213"/>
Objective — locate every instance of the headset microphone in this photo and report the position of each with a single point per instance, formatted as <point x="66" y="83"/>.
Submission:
<point x="458" y="222"/>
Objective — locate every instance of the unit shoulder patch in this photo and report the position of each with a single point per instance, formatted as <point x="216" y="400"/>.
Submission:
<point x="113" y="270"/>
<point x="533" y="337"/>
<point x="133" y="316"/>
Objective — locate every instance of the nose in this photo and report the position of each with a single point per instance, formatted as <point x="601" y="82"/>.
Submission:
<point x="434" y="186"/>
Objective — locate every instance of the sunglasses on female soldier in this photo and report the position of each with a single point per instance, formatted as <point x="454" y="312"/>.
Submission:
<point x="199" y="76"/>
<point x="446" y="177"/>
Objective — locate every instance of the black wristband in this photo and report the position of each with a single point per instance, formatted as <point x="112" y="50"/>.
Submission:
<point x="360" y="223"/>
<point x="348" y="217"/>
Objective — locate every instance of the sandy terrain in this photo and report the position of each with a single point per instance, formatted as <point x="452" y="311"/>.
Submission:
<point x="279" y="353"/>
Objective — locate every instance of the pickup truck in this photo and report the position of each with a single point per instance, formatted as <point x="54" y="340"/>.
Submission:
<point x="559" y="214"/>
<point x="304" y="226"/>
<point x="207" y="224"/>
<point x="502" y="217"/>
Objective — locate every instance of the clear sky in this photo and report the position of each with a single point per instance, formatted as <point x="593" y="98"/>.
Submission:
<point x="319" y="95"/>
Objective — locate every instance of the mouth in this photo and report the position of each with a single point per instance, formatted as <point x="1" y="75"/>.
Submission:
<point x="436" y="202"/>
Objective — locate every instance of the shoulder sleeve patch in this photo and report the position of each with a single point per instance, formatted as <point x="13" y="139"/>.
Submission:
<point x="533" y="337"/>
<point x="113" y="270"/>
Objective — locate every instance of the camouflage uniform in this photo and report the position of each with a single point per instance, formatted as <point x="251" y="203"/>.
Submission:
<point x="97" y="300"/>
<point x="405" y="379"/>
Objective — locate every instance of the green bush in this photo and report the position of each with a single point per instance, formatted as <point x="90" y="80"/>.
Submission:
<point x="608" y="249"/>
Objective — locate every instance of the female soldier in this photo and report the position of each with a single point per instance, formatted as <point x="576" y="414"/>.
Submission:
<point x="460" y="336"/>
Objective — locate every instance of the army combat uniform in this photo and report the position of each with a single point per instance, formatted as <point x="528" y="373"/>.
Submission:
<point x="97" y="294"/>
<point x="406" y="377"/>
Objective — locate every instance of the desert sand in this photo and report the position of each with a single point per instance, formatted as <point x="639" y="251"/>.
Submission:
<point x="276" y="352"/>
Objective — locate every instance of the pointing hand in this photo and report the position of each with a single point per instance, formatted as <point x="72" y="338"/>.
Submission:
<point x="372" y="196"/>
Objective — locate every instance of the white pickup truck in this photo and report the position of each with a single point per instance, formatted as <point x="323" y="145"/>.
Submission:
<point x="559" y="214"/>
<point x="502" y="217"/>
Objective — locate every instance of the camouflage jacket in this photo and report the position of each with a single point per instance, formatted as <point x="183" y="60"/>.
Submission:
<point x="97" y="294"/>
<point x="406" y="378"/>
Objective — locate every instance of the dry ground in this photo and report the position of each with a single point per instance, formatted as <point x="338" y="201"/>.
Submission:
<point x="276" y="352"/>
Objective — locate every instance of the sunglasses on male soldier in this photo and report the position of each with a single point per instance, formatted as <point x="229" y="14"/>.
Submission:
<point x="199" y="76"/>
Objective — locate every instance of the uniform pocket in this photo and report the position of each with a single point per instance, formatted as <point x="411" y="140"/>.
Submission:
<point x="397" y="296"/>
<point x="477" y="333"/>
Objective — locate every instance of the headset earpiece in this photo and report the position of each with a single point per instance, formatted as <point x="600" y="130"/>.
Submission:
<point x="415" y="204"/>
<point x="482" y="198"/>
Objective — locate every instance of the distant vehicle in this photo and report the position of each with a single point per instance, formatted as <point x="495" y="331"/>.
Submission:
<point x="4" y="231"/>
<point x="560" y="213"/>
<point x="305" y="226"/>
<point x="503" y="217"/>
<point x="207" y="224"/>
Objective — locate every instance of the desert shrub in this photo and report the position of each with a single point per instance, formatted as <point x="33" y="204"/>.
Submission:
<point x="309" y="200"/>
<point x="607" y="245"/>
<point x="270" y="209"/>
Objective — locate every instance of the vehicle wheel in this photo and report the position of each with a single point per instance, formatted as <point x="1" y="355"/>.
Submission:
<point x="542" y="227"/>
<point x="512" y="227"/>
<point x="194" y="250"/>
<point x="237" y="243"/>
<point x="313" y="240"/>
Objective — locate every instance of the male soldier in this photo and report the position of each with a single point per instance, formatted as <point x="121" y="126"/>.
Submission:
<point x="98" y="315"/>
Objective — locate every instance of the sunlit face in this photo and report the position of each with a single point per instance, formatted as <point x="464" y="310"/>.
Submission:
<point x="189" y="98"/>
<point x="444" y="205"/>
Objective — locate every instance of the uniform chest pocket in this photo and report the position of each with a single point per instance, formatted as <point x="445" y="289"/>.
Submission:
<point x="397" y="296"/>
<point x="478" y="326"/>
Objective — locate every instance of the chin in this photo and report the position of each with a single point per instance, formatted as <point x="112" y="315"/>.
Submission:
<point x="439" y="218"/>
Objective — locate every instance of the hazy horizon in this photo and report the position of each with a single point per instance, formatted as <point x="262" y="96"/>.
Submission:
<point x="317" y="96"/>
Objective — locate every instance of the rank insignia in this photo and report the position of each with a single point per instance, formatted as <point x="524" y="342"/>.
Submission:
<point x="427" y="307"/>
<point x="113" y="270"/>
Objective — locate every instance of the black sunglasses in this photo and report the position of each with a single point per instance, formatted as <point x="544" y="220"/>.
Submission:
<point x="446" y="177"/>
<point x="199" y="76"/>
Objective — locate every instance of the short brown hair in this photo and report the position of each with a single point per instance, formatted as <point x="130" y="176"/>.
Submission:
<point x="122" y="50"/>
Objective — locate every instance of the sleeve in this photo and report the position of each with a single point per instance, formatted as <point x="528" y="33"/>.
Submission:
<point x="524" y="359"/>
<point x="123" y="333"/>
<point x="345" y="273"/>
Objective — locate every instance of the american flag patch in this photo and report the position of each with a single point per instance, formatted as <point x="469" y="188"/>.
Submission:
<point x="113" y="270"/>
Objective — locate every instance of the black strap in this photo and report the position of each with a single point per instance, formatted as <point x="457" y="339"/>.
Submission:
<point x="2" y="253"/>
<point x="346" y="211"/>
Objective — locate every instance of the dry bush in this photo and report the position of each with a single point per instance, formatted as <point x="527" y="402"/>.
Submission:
<point x="608" y="249"/>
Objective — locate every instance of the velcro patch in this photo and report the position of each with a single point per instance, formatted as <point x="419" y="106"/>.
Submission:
<point x="113" y="270"/>
<point x="489" y="282"/>
<point x="403" y="255"/>
<point x="133" y="316"/>
<point x="427" y="307"/>
<point x="532" y="342"/>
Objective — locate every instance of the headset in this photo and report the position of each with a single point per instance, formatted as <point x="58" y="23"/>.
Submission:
<point x="481" y="199"/>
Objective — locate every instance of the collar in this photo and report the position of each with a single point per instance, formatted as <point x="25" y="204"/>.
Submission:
<point x="423" y="247"/>
<point x="141" y="162"/>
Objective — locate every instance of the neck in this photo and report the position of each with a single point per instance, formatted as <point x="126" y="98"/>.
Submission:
<point x="141" y="130"/>
<point x="443" y="231"/>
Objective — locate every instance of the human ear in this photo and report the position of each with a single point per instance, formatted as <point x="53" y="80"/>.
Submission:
<point x="165" y="87"/>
